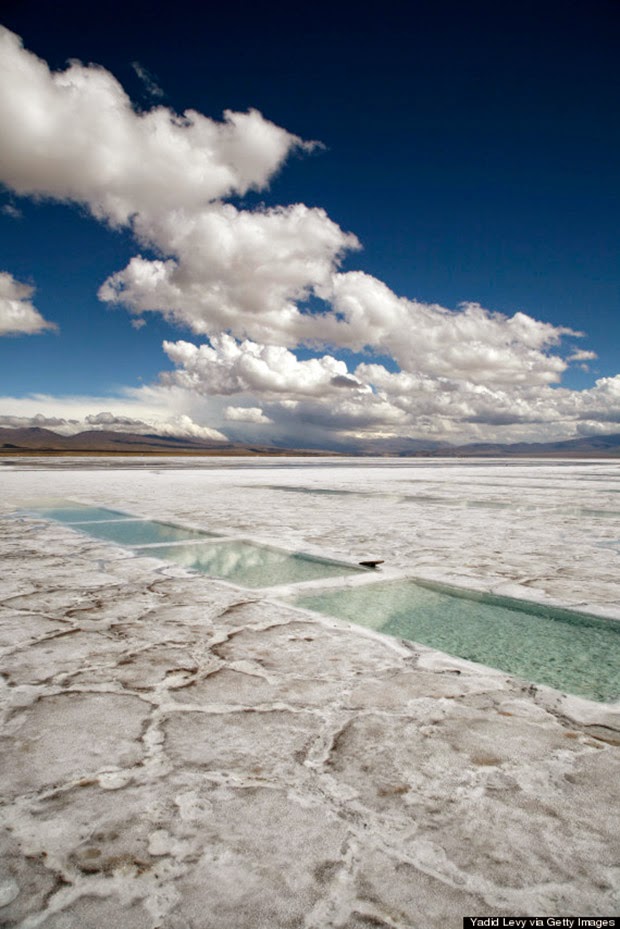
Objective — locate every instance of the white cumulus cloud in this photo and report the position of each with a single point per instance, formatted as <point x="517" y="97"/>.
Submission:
<point x="303" y="397"/>
<point x="246" y="414"/>
<point x="228" y="367"/>
<point x="237" y="270"/>
<point x="183" y="426"/>
<point x="18" y="315"/>
<point x="74" y="135"/>
<point x="470" y="343"/>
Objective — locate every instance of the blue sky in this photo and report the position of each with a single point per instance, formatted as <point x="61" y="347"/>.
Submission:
<point x="469" y="155"/>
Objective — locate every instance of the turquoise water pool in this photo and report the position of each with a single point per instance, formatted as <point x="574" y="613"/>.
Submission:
<point x="122" y="528"/>
<point x="76" y="513"/>
<point x="239" y="562"/>
<point x="569" y="651"/>
<point x="141" y="532"/>
<point x="251" y="565"/>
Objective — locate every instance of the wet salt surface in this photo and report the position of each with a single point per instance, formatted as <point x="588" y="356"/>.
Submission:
<point x="180" y="754"/>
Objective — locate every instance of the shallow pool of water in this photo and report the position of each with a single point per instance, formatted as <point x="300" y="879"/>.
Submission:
<point x="141" y="532"/>
<point x="76" y="513"/>
<point x="571" y="652"/>
<point x="251" y="565"/>
<point x="239" y="562"/>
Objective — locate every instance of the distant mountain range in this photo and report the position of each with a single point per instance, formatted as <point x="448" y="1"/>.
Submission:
<point x="99" y="441"/>
<point x="594" y="446"/>
<point x="43" y="441"/>
<point x="599" y="446"/>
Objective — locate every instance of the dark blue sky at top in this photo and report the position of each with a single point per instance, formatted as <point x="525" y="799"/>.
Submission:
<point x="472" y="147"/>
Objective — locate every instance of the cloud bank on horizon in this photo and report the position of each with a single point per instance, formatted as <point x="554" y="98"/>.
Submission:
<point x="257" y="285"/>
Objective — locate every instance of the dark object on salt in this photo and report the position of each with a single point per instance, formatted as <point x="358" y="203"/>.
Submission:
<point x="371" y="563"/>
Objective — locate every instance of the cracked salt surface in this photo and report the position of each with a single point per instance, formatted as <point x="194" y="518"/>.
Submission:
<point x="178" y="754"/>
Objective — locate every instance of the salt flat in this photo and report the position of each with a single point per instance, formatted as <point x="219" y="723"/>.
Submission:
<point x="183" y="754"/>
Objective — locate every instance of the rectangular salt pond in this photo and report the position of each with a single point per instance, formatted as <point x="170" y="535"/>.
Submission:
<point x="118" y="527"/>
<point x="75" y="513"/>
<point x="571" y="652"/>
<point x="140" y="532"/>
<point x="242" y="563"/>
<point x="251" y="565"/>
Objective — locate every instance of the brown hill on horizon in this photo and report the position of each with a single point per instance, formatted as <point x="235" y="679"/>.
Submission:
<point x="37" y="440"/>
